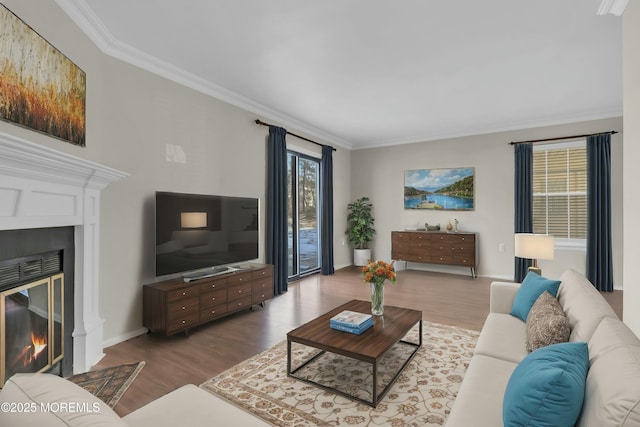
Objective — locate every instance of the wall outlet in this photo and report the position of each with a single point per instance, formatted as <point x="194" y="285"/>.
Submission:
<point x="501" y="247"/>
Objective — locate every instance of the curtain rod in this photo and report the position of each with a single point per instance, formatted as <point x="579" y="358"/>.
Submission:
<point x="260" y="122"/>
<point x="612" y="132"/>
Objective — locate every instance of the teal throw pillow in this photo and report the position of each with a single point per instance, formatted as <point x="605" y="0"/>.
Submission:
<point x="547" y="387"/>
<point x="531" y="288"/>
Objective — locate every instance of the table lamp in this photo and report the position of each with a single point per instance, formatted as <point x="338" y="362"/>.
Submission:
<point x="534" y="247"/>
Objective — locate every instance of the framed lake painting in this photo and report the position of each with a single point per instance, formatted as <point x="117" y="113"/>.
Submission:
<point x="442" y="189"/>
<point x="40" y="88"/>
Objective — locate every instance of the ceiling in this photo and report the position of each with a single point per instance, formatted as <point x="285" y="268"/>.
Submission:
<point x="366" y="73"/>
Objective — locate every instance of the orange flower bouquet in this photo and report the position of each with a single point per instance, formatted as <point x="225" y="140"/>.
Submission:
<point x="377" y="273"/>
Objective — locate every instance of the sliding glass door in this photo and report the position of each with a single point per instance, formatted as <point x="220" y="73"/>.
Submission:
<point x="303" y="214"/>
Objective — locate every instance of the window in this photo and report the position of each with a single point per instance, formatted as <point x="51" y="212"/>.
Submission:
<point x="560" y="191"/>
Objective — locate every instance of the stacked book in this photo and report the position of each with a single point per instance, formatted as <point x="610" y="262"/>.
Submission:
<point x="352" y="322"/>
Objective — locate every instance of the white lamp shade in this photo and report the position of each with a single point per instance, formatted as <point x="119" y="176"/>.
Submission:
<point x="534" y="246"/>
<point x="193" y="219"/>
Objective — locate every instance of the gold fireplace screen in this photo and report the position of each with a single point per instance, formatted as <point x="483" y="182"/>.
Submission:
<point x="32" y="327"/>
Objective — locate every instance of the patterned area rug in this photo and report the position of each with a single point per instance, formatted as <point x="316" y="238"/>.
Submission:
<point x="422" y="395"/>
<point x="108" y="384"/>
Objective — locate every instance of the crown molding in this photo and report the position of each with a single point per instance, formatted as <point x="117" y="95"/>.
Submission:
<point x="514" y="126"/>
<point x="614" y="7"/>
<point x="84" y="17"/>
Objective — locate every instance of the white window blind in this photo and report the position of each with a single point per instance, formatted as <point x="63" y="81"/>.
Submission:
<point x="560" y="190"/>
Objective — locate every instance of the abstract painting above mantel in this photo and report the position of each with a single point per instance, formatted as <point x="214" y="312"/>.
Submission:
<point x="40" y="88"/>
<point x="440" y="189"/>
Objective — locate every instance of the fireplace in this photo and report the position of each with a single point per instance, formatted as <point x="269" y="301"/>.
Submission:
<point x="43" y="190"/>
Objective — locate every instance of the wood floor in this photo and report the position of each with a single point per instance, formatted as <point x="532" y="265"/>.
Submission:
<point x="210" y="349"/>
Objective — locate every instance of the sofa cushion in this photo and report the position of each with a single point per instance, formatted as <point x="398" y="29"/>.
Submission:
<point x="532" y="287"/>
<point x="546" y="323"/>
<point x="53" y="401"/>
<point x="503" y="336"/>
<point x="582" y="304"/>
<point x="547" y="387"/>
<point x="612" y="393"/>
<point x="479" y="400"/>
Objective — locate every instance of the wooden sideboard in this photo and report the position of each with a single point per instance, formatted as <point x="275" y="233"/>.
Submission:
<point x="436" y="247"/>
<point x="174" y="306"/>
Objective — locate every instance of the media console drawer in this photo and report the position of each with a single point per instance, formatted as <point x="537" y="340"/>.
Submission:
<point x="173" y="306"/>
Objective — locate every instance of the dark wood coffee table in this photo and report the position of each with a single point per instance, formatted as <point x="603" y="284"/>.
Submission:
<point x="369" y="347"/>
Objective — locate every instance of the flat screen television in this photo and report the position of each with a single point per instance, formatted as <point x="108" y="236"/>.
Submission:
<point x="202" y="234"/>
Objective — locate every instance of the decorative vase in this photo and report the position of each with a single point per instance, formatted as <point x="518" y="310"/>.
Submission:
<point x="449" y="226"/>
<point x="377" y="298"/>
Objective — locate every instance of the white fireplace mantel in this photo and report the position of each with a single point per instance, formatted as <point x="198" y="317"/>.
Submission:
<point x="41" y="187"/>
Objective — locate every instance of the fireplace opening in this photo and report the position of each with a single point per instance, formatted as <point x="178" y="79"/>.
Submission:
<point x="36" y="301"/>
<point x="31" y="314"/>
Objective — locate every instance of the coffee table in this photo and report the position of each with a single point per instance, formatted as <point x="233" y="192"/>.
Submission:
<point x="369" y="347"/>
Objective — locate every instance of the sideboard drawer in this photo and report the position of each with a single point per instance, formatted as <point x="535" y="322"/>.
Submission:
<point x="182" y="308"/>
<point x="182" y="293"/>
<point x="183" y="322"/>
<point x="240" y="303"/>
<point x="212" y="298"/>
<point x="239" y="291"/>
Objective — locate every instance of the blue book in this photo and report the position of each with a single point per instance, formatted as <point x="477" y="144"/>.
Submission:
<point x="356" y="331"/>
<point x="368" y="323"/>
<point x="351" y="319"/>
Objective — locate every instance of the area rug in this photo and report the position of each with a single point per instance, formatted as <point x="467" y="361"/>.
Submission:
<point x="423" y="394"/>
<point x="108" y="384"/>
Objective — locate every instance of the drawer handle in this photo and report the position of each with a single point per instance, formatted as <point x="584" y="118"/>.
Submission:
<point x="240" y="291"/>
<point x="213" y="312"/>
<point x="240" y="279"/>
<point x="184" y="321"/>
<point x="183" y="307"/>
<point x="213" y="286"/>
<point x="213" y="298"/>
<point x="441" y="259"/>
<point x="184" y="293"/>
<point x="239" y="304"/>
<point x="263" y="273"/>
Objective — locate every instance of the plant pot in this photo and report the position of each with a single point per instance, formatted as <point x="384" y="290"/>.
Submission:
<point x="361" y="257"/>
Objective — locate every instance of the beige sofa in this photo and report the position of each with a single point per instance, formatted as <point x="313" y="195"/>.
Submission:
<point x="612" y="393"/>
<point x="47" y="400"/>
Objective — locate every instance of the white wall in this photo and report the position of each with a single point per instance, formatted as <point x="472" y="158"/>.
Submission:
<point x="631" y="106"/>
<point x="131" y="116"/>
<point x="379" y="174"/>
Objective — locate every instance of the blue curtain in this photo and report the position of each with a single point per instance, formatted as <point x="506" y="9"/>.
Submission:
<point x="599" y="259"/>
<point x="523" y="201"/>
<point x="277" y="208"/>
<point x="326" y="215"/>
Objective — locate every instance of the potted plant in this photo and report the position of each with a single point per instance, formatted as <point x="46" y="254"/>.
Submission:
<point x="360" y="229"/>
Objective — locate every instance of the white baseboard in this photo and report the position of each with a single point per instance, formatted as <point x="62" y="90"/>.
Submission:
<point x="124" y="337"/>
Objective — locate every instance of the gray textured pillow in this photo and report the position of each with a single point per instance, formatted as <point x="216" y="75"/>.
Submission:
<point x="546" y="323"/>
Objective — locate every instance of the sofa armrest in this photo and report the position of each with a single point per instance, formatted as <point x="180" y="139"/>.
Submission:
<point x="191" y="406"/>
<point x="501" y="296"/>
